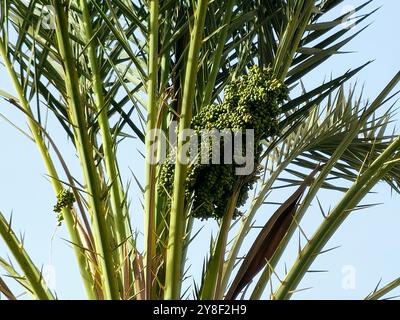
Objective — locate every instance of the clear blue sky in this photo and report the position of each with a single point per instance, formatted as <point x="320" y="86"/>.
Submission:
<point x="369" y="240"/>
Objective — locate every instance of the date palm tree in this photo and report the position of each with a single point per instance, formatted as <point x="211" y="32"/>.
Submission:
<point x="108" y="71"/>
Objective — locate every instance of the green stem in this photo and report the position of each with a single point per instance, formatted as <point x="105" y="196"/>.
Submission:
<point x="318" y="182"/>
<point x="213" y="288"/>
<point x="29" y="269"/>
<point x="93" y="183"/>
<point x="152" y="110"/>
<point x="378" y="294"/>
<point x="109" y="150"/>
<point x="176" y="230"/>
<point x="217" y="56"/>
<point x="52" y="173"/>
<point x="353" y="196"/>
<point x="11" y="272"/>
<point x="292" y="37"/>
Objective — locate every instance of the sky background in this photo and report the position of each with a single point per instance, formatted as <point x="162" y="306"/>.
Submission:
<point x="369" y="240"/>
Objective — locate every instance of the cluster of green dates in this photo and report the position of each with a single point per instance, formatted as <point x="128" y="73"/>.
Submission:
<point x="250" y="102"/>
<point x="65" y="199"/>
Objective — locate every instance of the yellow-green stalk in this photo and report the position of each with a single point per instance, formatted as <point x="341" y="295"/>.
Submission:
<point x="105" y="133"/>
<point x="365" y="182"/>
<point x="337" y="216"/>
<point x="96" y="202"/>
<point x="52" y="173"/>
<point x="29" y="269"/>
<point x="177" y="219"/>
<point x="217" y="56"/>
<point x="213" y="288"/>
<point x="152" y="111"/>
<point x="353" y="132"/>
<point x="291" y="39"/>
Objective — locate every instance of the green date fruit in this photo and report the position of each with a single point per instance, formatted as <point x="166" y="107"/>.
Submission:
<point x="250" y="102"/>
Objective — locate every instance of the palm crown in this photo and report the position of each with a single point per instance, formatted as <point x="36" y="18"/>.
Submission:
<point x="111" y="70"/>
